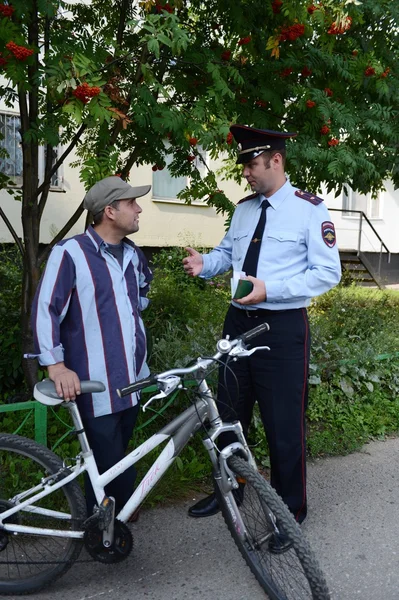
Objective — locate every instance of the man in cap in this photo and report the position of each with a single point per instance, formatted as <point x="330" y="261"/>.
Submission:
<point x="284" y="241"/>
<point x="87" y="324"/>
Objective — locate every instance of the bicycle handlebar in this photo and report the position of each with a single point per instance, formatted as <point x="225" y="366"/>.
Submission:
<point x="245" y="337"/>
<point x="136" y="386"/>
<point x="225" y="346"/>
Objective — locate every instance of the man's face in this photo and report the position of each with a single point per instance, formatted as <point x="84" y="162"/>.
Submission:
<point x="262" y="174"/>
<point x="126" y="216"/>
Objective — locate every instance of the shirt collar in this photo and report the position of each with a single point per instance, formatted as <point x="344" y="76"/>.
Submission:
<point x="99" y="243"/>
<point x="278" y="197"/>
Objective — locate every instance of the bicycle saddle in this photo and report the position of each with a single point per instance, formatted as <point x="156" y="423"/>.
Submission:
<point x="45" y="392"/>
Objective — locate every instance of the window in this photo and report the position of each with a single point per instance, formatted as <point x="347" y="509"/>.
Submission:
<point x="353" y="201"/>
<point x="165" y="187"/>
<point x="11" y="141"/>
<point x="12" y="165"/>
<point x="56" y="179"/>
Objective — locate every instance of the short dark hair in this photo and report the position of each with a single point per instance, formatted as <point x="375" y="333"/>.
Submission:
<point x="268" y="155"/>
<point x="97" y="219"/>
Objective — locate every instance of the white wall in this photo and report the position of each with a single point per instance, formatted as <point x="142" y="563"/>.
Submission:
<point x="386" y="225"/>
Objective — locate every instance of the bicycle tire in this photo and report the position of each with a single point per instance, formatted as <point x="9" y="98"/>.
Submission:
<point x="292" y="575"/>
<point x="30" y="562"/>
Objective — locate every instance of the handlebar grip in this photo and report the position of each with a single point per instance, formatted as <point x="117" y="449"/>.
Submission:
<point x="262" y="328"/>
<point x="136" y="386"/>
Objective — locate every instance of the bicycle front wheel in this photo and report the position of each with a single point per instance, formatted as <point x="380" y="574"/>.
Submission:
<point x="29" y="562"/>
<point x="292" y="573"/>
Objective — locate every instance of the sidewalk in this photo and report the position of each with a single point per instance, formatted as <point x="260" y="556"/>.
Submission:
<point x="353" y="527"/>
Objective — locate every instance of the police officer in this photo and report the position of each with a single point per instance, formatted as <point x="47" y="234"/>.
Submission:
<point x="284" y="240"/>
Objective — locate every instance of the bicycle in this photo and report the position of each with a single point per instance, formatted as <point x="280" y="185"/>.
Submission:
<point x="43" y="521"/>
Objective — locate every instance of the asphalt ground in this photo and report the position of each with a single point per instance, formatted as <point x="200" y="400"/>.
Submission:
<point x="353" y="526"/>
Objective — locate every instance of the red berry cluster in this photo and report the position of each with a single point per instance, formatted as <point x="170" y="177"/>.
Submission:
<point x="369" y="72"/>
<point x="292" y="32"/>
<point x="325" y="130"/>
<point x="226" y="55"/>
<point x="229" y="138"/>
<point x="312" y="8"/>
<point x="84" y="92"/>
<point x="386" y="72"/>
<point x="286" y="72"/>
<point x="190" y="158"/>
<point x="310" y="103"/>
<point x="355" y="52"/>
<point x="158" y="167"/>
<point x="328" y="92"/>
<point x="306" y="72"/>
<point x="193" y="141"/>
<point x="3" y="61"/>
<point x="245" y="40"/>
<point x="342" y="27"/>
<point x="333" y="142"/>
<point x="261" y="103"/>
<point x="276" y="6"/>
<point x="160" y="7"/>
<point x="20" y="52"/>
<point x="6" y="10"/>
<point x="243" y="100"/>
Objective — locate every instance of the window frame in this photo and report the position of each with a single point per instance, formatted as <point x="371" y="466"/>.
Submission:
<point x="349" y="213"/>
<point x="59" y="174"/>
<point x="175" y="200"/>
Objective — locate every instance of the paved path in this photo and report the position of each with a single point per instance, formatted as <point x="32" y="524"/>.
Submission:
<point x="353" y="526"/>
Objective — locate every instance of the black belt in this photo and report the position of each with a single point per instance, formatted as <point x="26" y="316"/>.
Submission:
<point x="255" y="313"/>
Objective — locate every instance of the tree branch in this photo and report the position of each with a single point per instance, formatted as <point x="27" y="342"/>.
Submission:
<point x="13" y="232"/>
<point x="61" y="234"/>
<point x="59" y="163"/>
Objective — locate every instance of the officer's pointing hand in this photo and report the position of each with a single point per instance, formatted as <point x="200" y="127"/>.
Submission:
<point x="258" y="293"/>
<point x="193" y="263"/>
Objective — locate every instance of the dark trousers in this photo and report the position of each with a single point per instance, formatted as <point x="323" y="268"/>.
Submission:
<point x="108" y="437"/>
<point x="278" y="381"/>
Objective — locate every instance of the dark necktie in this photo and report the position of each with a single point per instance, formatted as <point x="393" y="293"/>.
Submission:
<point x="251" y="260"/>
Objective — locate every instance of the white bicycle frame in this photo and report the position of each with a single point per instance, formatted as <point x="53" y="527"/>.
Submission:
<point x="178" y="432"/>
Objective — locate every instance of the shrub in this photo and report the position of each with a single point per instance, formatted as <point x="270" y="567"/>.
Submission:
<point x="11" y="374"/>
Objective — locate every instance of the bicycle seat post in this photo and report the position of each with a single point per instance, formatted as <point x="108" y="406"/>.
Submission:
<point x="78" y="423"/>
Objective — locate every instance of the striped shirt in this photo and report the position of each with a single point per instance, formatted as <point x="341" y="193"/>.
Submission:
<point x="87" y="313"/>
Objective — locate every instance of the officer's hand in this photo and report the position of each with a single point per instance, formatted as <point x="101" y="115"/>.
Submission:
<point x="67" y="383"/>
<point x="193" y="263"/>
<point x="258" y="293"/>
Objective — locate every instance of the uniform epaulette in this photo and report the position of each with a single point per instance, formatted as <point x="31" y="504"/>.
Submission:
<point x="309" y="197"/>
<point x="251" y="197"/>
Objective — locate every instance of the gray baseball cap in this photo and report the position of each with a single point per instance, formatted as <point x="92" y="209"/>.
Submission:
<point x="108" y="190"/>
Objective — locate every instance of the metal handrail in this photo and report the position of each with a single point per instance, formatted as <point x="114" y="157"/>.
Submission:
<point x="363" y="215"/>
<point x="359" y="242"/>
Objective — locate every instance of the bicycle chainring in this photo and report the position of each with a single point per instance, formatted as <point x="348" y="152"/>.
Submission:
<point x="120" y="549"/>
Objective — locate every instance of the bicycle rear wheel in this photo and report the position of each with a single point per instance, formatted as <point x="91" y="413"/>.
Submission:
<point x="293" y="574"/>
<point x="30" y="562"/>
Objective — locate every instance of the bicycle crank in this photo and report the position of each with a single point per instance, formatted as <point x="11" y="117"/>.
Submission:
<point x="117" y="551"/>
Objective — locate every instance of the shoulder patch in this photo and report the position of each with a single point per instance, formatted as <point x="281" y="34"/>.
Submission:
<point x="309" y="197"/>
<point x="328" y="233"/>
<point x="251" y="197"/>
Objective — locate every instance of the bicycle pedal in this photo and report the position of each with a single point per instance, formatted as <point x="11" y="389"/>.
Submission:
<point x="105" y="513"/>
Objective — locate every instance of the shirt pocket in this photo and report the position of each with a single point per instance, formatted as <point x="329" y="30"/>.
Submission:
<point x="240" y="244"/>
<point x="281" y="243"/>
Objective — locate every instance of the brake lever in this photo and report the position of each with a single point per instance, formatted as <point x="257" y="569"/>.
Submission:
<point x="160" y="395"/>
<point x="241" y="353"/>
<point x="170" y="384"/>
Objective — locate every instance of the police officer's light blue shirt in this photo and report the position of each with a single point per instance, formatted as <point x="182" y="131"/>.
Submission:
<point x="296" y="261"/>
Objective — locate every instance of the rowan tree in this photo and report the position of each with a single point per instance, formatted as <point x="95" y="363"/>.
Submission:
<point x="125" y="83"/>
